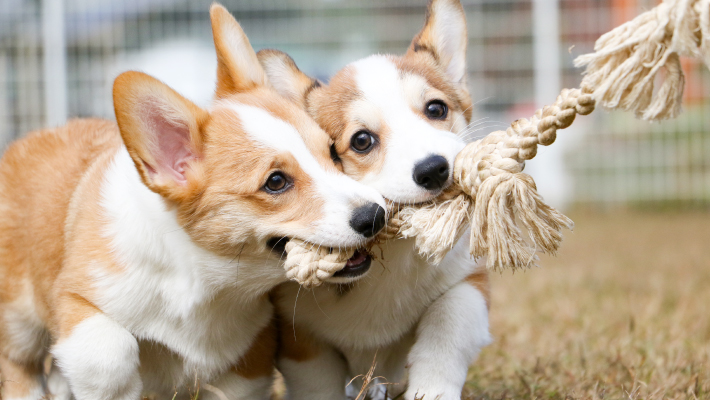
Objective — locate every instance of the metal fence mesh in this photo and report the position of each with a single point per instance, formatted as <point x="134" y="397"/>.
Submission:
<point x="609" y="158"/>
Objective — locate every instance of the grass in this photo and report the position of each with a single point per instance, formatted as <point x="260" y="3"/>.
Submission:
<point x="623" y="312"/>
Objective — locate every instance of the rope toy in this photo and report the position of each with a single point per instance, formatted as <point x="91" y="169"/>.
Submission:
<point x="309" y="265"/>
<point x="490" y="190"/>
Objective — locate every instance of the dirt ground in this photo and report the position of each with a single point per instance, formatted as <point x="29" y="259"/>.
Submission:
<point x="623" y="312"/>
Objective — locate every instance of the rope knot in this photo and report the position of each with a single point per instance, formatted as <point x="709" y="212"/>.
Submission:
<point x="310" y="265"/>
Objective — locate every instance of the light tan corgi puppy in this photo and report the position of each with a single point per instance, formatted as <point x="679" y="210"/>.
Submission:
<point x="141" y="255"/>
<point x="394" y="121"/>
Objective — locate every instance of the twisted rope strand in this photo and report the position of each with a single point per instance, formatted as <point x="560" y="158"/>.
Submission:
<point x="309" y="266"/>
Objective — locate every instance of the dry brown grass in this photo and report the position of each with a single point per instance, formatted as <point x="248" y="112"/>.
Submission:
<point x="623" y="312"/>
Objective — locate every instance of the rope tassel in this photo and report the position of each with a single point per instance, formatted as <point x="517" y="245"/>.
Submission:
<point x="494" y="230"/>
<point x="437" y="227"/>
<point x="623" y="70"/>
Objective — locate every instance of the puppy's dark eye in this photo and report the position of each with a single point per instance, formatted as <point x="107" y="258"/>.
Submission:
<point x="362" y="141"/>
<point x="276" y="183"/>
<point x="436" y="109"/>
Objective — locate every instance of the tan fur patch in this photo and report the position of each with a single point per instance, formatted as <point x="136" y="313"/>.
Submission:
<point x="357" y="165"/>
<point x="285" y="76"/>
<point x="235" y="71"/>
<point x="480" y="281"/>
<point x="72" y="310"/>
<point x="329" y="104"/>
<point x="434" y="41"/>
<point x="296" y="344"/>
<point x="18" y="381"/>
<point x="335" y="107"/>
<point x="422" y="64"/>
<point x="51" y="162"/>
<point x="259" y="359"/>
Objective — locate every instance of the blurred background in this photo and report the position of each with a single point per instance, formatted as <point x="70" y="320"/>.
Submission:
<point x="58" y="59"/>
<point x="621" y="313"/>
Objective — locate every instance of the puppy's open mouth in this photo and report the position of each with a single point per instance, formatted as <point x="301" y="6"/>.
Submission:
<point x="278" y="245"/>
<point x="357" y="265"/>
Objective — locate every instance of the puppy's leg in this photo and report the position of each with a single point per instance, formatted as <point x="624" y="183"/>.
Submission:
<point x="389" y="371"/>
<point x="322" y="377"/>
<point x="449" y="337"/>
<point x="98" y="356"/>
<point x="57" y="385"/>
<point x="312" y="370"/>
<point x="23" y="347"/>
<point x="232" y="385"/>
<point x="21" y="381"/>
<point x="253" y="376"/>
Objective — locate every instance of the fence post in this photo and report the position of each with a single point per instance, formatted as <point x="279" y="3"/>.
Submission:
<point x="55" y="62"/>
<point x="5" y="135"/>
<point x="553" y="180"/>
<point x="546" y="51"/>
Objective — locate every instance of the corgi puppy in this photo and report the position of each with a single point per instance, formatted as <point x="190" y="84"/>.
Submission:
<point x="392" y="120"/>
<point x="141" y="255"/>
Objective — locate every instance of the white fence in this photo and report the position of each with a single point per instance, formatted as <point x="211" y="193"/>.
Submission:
<point x="605" y="159"/>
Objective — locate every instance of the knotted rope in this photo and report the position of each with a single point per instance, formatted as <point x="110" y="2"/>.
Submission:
<point x="309" y="265"/>
<point x="493" y="191"/>
<point x="490" y="190"/>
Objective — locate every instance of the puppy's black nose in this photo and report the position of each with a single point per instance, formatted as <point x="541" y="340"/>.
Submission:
<point x="367" y="220"/>
<point x="432" y="172"/>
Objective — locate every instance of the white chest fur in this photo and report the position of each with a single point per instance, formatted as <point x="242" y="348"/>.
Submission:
<point x="205" y="308"/>
<point x="383" y="306"/>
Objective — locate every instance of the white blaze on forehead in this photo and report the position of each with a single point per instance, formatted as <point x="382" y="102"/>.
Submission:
<point x="410" y="138"/>
<point x="378" y="80"/>
<point x="340" y="193"/>
<point x="277" y="134"/>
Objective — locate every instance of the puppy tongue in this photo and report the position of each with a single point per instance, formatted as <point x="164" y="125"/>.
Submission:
<point x="357" y="258"/>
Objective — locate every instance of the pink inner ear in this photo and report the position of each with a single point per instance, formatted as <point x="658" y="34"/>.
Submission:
<point x="171" y="146"/>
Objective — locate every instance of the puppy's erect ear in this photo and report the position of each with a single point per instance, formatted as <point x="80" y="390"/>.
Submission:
<point x="238" y="69"/>
<point x="161" y="130"/>
<point x="445" y="36"/>
<point x="285" y="77"/>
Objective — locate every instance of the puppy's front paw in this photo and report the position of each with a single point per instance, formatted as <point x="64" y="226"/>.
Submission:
<point x="433" y="394"/>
